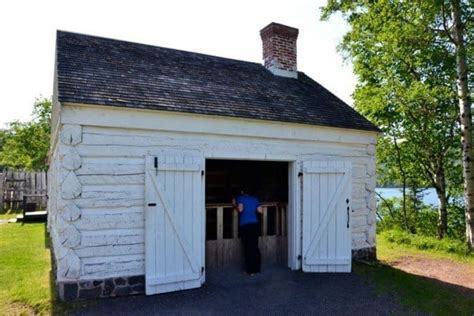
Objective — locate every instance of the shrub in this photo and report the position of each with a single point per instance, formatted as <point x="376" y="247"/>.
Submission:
<point x="425" y="242"/>
<point x="421" y="221"/>
<point x="456" y="220"/>
<point x="397" y="236"/>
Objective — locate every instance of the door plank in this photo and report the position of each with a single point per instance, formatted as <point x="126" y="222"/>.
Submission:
<point x="178" y="210"/>
<point x="160" y="223"/>
<point x="319" y="169"/>
<point x="187" y="205"/>
<point x="170" y="166"/>
<point x="307" y="216"/>
<point x="316" y="261"/>
<point x="172" y="245"/>
<point x="321" y="244"/>
<point x="178" y="277"/>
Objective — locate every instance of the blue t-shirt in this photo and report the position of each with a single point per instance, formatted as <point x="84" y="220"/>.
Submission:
<point x="249" y="214"/>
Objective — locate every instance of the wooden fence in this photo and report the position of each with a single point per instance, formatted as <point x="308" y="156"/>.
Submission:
<point x="15" y="184"/>
<point x="223" y="245"/>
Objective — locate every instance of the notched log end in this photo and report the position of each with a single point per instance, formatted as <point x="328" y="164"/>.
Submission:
<point x="71" y="134"/>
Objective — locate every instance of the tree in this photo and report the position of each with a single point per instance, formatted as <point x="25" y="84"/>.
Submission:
<point x="461" y="13"/>
<point x="406" y="74"/>
<point x="3" y="135"/>
<point x="25" y="144"/>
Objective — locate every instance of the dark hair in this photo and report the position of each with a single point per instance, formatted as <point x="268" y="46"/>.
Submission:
<point x="245" y="189"/>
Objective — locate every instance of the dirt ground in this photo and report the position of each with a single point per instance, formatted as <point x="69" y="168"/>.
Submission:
<point x="444" y="270"/>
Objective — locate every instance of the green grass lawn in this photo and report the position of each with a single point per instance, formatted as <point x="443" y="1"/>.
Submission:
<point x="390" y="251"/>
<point x="419" y="293"/>
<point x="24" y="270"/>
<point x="26" y="286"/>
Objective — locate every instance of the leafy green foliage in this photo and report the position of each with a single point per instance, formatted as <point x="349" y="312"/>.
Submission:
<point x="406" y="69"/>
<point x="25" y="145"/>
<point x="456" y="221"/>
<point x="421" y="219"/>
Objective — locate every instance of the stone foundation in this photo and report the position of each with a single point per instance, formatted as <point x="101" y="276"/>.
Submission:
<point x="91" y="289"/>
<point x="368" y="254"/>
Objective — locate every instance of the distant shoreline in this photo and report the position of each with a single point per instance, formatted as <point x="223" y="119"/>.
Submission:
<point x="421" y="189"/>
<point x="429" y="196"/>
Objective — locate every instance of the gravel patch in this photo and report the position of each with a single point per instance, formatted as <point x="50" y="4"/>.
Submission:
<point x="275" y="291"/>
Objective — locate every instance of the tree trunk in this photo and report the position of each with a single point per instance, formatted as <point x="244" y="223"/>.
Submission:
<point x="465" y="118"/>
<point x="442" y="216"/>
<point x="404" y="185"/>
<point x="404" y="202"/>
<point x="440" y="185"/>
<point x="414" y="191"/>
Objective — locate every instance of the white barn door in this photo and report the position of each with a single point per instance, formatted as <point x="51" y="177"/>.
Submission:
<point x="326" y="244"/>
<point x="174" y="223"/>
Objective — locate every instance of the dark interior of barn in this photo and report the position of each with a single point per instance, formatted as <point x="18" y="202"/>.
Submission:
<point x="268" y="181"/>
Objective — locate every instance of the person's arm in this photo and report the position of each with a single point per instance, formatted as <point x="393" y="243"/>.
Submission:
<point x="259" y="207"/>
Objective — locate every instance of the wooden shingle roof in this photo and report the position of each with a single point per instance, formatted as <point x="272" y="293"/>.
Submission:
<point x="95" y="70"/>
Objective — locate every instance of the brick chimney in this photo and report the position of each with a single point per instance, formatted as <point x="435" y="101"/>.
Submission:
<point x="279" y="49"/>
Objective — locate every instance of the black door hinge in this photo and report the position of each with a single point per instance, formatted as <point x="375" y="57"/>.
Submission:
<point x="202" y="270"/>
<point x="202" y="173"/>
<point x="299" y="257"/>
<point x="300" y="174"/>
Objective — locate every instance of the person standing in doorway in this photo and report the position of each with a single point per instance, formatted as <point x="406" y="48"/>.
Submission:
<point x="248" y="207"/>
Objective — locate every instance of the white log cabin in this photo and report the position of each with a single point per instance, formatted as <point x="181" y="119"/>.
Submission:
<point x="150" y="145"/>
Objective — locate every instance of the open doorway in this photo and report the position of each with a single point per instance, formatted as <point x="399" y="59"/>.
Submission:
<point x="269" y="182"/>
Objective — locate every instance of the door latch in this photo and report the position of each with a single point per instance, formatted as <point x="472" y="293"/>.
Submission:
<point x="348" y="217"/>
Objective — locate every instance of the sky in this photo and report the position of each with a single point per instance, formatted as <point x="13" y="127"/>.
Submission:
<point x="221" y="28"/>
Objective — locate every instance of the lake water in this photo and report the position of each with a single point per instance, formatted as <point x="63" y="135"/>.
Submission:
<point x="429" y="195"/>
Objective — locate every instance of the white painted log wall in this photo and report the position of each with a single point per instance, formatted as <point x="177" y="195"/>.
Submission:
<point x="62" y="211"/>
<point x="111" y="180"/>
